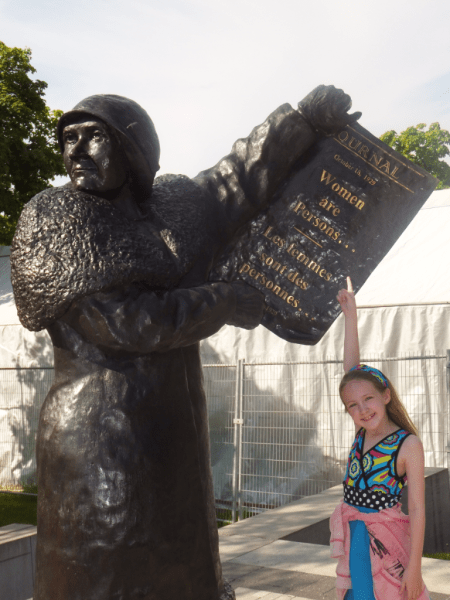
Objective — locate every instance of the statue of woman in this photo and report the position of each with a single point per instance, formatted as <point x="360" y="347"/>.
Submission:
<point x="115" y="266"/>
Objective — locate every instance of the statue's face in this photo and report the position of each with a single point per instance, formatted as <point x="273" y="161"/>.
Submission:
<point x="92" y="156"/>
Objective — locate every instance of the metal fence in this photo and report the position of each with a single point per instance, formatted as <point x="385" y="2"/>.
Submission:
<point x="278" y="431"/>
<point x="22" y="392"/>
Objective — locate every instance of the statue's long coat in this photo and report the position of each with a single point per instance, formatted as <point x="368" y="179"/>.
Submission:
<point x="126" y="505"/>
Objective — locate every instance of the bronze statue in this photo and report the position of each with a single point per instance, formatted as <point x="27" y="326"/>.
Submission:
<point x="115" y="266"/>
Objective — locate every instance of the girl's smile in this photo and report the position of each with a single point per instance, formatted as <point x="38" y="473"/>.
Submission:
<point x="368" y="418"/>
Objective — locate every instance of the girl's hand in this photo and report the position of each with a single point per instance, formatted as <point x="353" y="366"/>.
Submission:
<point x="346" y="299"/>
<point x="412" y="585"/>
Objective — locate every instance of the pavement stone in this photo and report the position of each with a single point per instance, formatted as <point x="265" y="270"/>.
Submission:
<point x="292" y="556"/>
<point x="246" y="594"/>
<point x="291" y="583"/>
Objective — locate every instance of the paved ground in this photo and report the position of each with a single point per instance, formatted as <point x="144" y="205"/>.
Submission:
<point x="259" y="564"/>
<point x="285" y="570"/>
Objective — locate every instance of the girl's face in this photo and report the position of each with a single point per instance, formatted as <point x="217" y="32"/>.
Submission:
<point x="366" y="405"/>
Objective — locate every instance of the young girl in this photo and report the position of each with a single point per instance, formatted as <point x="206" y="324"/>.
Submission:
<point x="378" y="547"/>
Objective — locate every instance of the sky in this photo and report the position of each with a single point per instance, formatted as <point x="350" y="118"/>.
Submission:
<point x="208" y="71"/>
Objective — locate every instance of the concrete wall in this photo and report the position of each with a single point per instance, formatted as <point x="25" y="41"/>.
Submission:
<point x="17" y="561"/>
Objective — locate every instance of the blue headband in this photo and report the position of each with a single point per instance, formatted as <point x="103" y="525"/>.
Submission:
<point x="374" y="372"/>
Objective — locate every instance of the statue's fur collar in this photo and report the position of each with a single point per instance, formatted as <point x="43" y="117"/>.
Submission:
<point x="69" y="244"/>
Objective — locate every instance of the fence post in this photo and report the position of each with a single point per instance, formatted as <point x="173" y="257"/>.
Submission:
<point x="240" y="425"/>
<point x="237" y="443"/>
<point x="448" y="408"/>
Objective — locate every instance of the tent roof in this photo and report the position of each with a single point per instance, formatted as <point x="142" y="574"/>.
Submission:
<point x="415" y="270"/>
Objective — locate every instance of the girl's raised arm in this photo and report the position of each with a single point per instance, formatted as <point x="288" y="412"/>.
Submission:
<point x="346" y="299"/>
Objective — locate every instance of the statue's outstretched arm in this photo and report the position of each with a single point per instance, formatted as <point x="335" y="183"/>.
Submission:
<point x="245" y="181"/>
<point x="138" y="322"/>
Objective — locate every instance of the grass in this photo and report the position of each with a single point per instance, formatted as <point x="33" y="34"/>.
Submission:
<point x="15" y="508"/>
<point x="440" y="555"/>
<point x="224" y="516"/>
<point x="29" y="488"/>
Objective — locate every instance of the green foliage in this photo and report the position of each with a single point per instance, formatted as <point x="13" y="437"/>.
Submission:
<point x="29" y="154"/>
<point x="427" y="149"/>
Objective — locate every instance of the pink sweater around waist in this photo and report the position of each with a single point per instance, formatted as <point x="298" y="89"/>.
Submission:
<point x="389" y="549"/>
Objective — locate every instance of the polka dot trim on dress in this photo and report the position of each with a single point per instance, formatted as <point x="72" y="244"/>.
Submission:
<point x="369" y="498"/>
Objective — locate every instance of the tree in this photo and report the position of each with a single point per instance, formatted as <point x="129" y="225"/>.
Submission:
<point x="29" y="154"/>
<point x="427" y="149"/>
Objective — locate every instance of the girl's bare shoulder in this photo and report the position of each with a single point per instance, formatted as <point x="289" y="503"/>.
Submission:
<point x="412" y="442"/>
<point x="411" y="454"/>
<point x="412" y="445"/>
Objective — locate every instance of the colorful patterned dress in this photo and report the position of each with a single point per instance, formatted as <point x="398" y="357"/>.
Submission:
<point x="371" y="484"/>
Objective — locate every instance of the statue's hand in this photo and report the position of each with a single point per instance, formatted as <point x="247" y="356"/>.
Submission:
<point x="325" y="108"/>
<point x="250" y="306"/>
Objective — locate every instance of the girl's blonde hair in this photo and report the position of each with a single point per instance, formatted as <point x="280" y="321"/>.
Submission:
<point x="395" y="409"/>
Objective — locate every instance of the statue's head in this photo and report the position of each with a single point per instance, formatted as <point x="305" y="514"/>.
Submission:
<point x="107" y="141"/>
